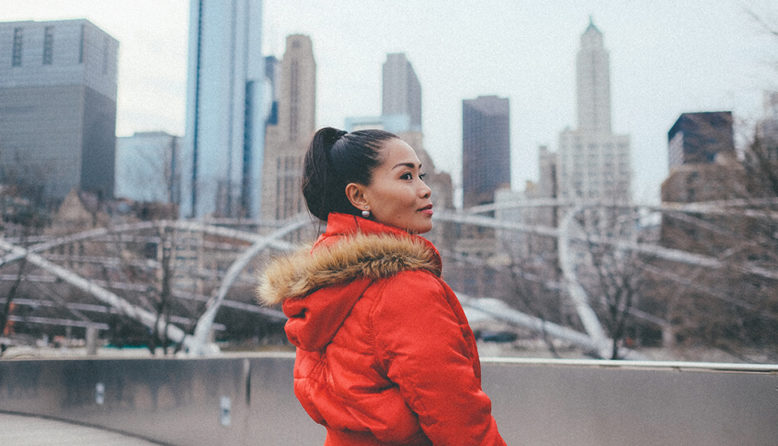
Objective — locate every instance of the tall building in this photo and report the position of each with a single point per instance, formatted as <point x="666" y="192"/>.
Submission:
<point x="401" y="90"/>
<point x="286" y="141"/>
<point x="58" y="106"/>
<point x="704" y="167"/>
<point x="594" y="163"/>
<point x="593" y="87"/>
<point x="697" y="138"/>
<point x="148" y="167"/>
<point x="225" y="118"/>
<point x="486" y="148"/>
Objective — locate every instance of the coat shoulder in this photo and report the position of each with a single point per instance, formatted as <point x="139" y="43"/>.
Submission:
<point x="372" y="256"/>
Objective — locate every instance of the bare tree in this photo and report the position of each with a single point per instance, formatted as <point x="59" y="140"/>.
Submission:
<point x="534" y="288"/>
<point x="612" y="276"/>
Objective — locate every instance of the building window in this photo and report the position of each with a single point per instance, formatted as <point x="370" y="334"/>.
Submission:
<point x="16" y="59"/>
<point x="48" y="45"/>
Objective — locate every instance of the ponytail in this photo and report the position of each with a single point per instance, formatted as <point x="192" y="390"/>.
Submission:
<point x="334" y="159"/>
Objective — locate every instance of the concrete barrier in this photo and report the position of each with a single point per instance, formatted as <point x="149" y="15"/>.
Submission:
<point x="242" y="400"/>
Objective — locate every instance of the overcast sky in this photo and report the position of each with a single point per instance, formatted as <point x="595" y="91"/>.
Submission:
<point x="667" y="57"/>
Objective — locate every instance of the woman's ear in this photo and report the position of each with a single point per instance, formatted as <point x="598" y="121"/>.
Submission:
<point x="356" y="195"/>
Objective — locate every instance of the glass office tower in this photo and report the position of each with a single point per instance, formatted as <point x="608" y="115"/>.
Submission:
<point x="223" y="148"/>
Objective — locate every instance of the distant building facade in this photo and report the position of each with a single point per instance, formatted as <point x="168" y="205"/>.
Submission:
<point x="594" y="163"/>
<point x="58" y="83"/>
<point x="697" y="138"/>
<point x="548" y="164"/>
<point x="225" y="119"/>
<point x="391" y="123"/>
<point x="486" y="145"/>
<point x="401" y="90"/>
<point x="703" y="167"/>
<point x="544" y="190"/>
<point x="148" y="167"/>
<point x="287" y="140"/>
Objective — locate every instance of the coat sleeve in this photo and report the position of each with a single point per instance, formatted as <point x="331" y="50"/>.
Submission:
<point x="427" y="350"/>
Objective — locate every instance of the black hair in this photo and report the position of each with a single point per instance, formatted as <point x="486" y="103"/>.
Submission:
<point x="334" y="159"/>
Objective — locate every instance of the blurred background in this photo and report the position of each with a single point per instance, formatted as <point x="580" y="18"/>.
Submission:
<point x="605" y="174"/>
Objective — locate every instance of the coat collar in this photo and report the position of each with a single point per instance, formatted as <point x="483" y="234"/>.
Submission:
<point x="351" y="248"/>
<point x="319" y="287"/>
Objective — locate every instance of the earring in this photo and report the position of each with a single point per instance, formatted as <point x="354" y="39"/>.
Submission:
<point x="366" y="213"/>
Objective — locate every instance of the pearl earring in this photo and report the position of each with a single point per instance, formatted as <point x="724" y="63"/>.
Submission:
<point x="366" y="213"/>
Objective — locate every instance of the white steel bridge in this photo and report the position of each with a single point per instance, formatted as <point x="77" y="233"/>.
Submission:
<point x="196" y="265"/>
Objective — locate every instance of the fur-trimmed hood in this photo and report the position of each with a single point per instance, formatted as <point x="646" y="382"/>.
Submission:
<point x="353" y="257"/>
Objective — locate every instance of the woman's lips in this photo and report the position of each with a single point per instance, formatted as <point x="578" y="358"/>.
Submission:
<point x="426" y="210"/>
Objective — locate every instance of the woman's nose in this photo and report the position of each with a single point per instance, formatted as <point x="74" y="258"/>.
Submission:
<point x="425" y="191"/>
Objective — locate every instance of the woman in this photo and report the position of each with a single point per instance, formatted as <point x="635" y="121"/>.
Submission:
<point x="385" y="355"/>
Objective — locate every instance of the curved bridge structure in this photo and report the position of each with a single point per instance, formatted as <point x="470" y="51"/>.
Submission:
<point x="219" y="256"/>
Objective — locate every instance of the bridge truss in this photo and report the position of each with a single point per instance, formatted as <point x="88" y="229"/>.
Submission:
<point x="175" y="276"/>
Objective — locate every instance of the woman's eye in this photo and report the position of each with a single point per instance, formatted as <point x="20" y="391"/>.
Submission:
<point x="407" y="176"/>
<point x="422" y="176"/>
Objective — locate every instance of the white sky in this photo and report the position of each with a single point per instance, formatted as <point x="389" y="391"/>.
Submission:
<point x="667" y="57"/>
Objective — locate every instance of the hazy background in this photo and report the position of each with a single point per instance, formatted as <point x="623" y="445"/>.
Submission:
<point x="666" y="58"/>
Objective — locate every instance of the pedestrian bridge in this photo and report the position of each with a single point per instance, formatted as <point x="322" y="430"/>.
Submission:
<point x="248" y="400"/>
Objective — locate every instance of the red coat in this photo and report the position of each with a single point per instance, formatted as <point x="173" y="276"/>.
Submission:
<point x="384" y="352"/>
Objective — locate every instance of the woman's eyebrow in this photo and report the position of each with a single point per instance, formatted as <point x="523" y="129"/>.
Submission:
<point x="409" y="164"/>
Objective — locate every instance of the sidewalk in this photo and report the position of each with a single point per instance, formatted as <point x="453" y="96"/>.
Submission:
<point x="20" y="430"/>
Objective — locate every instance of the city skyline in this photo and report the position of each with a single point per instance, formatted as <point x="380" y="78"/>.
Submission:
<point x="666" y="59"/>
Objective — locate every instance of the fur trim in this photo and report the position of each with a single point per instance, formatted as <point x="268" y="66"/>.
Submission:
<point x="371" y="256"/>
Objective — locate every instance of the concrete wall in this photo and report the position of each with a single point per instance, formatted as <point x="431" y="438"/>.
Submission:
<point x="249" y="400"/>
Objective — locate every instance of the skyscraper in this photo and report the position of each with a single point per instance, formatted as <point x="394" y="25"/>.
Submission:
<point x="593" y="86"/>
<point x="58" y="106"/>
<point x="486" y="148"/>
<point x="287" y="139"/>
<point x="401" y="90"/>
<point x="223" y="148"/>
<point x="594" y="163"/>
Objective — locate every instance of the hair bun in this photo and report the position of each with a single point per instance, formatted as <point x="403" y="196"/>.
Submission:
<point x="332" y="135"/>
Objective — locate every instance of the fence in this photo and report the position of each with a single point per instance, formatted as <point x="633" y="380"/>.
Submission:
<point x="242" y="400"/>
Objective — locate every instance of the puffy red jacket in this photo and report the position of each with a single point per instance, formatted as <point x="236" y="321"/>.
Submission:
<point x="384" y="352"/>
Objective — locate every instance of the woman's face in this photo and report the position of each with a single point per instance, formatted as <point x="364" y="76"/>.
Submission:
<point x="397" y="195"/>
